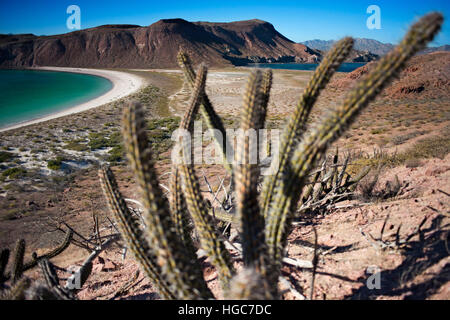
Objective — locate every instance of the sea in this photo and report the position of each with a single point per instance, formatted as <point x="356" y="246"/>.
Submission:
<point x="30" y="94"/>
<point x="345" y="67"/>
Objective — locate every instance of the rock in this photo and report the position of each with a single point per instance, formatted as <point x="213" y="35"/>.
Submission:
<point x="109" y="266"/>
<point x="436" y="171"/>
<point x="98" y="264"/>
<point x="98" y="260"/>
<point x="31" y="204"/>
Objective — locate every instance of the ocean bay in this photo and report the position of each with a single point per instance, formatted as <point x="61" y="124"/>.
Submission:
<point x="30" y="94"/>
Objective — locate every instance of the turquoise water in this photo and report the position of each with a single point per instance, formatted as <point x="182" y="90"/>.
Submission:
<point x="30" y="94"/>
<point x="345" y="67"/>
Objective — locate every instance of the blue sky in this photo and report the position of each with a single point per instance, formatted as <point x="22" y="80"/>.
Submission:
<point x="297" y="20"/>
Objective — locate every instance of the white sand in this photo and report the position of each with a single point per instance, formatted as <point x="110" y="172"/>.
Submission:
<point x="123" y="85"/>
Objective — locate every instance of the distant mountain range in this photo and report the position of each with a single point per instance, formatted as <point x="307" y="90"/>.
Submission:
<point x="366" y="45"/>
<point x="157" y="45"/>
<point x="434" y="49"/>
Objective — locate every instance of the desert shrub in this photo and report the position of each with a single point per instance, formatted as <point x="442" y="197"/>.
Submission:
<point x="76" y="145"/>
<point x="400" y="139"/>
<point x="115" y="139"/>
<point x="115" y="154"/>
<point x="160" y="133"/>
<point x="431" y="147"/>
<point x="14" y="173"/>
<point x="377" y="131"/>
<point x="34" y="151"/>
<point x="413" y="163"/>
<point x="10" y="214"/>
<point x="98" y="140"/>
<point x="368" y="191"/>
<point x="6" y="156"/>
<point x="55" y="164"/>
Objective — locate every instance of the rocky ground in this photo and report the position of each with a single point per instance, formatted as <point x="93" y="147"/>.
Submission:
<point x="406" y="135"/>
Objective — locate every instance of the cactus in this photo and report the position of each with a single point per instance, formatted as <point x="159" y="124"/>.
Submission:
<point x="164" y="250"/>
<point x="4" y="257"/>
<point x="297" y="123"/>
<point x="213" y="121"/>
<point x="19" y="283"/>
<point x="17" y="290"/>
<point x="166" y="244"/>
<point x="314" y="145"/>
<point x="55" y="291"/>
<point x="209" y="239"/>
<point x="17" y="267"/>
<point x="51" y="254"/>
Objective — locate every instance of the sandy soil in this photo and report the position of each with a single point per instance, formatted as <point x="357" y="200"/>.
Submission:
<point x="123" y="85"/>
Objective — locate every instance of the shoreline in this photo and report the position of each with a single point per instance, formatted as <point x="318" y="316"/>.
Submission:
<point x="123" y="84"/>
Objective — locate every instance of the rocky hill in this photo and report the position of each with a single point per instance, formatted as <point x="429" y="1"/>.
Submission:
<point x="424" y="75"/>
<point x="434" y="49"/>
<point x="156" y="46"/>
<point x="361" y="44"/>
<point x="364" y="46"/>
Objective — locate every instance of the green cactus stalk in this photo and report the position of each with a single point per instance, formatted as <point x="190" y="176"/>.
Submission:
<point x="315" y="144"/>
<point x="341" y="174"/>
<point x="17" y="267"/>
<point x="51" y="254"/>
<point x="209" y="239"/>
<point x="4" y="258"/>
<point x="265" y="90"/>
<point x="179" y="210"/>
<point x="247" y="286"/>
<point x="209" y="115"/>
<point x="247" y="173"/>
<point x="170" y="251"/>
<point x="297" y="123"/>
<point x="132" y="234"/>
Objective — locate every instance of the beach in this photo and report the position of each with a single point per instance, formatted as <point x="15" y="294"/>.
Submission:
<point x="123" y="85"/>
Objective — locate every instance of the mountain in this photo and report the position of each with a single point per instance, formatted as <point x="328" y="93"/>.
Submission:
<point x="323" y="45"/>
<point x="156" y="46"/>
<point x="367" y="45"/>
<point x="361" y="44"/>
<point x="434" y="49"/>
